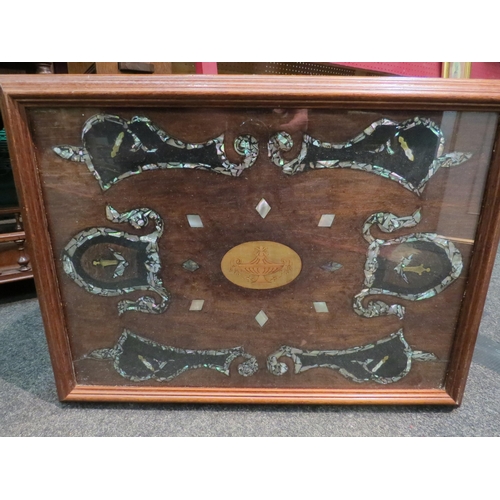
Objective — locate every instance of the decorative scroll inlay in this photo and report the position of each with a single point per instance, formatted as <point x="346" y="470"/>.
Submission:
<point x="137" y="358"/>
<point x="386" y="361"/>
<point x="108" y="262"/>
<point x="413" y="267"/>
<point x="261" y="265"/>
<point x="409" y="152"/>
<point x="114" y="149"/>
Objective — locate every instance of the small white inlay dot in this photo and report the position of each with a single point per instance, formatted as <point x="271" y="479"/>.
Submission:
<point x="196" y="305"/>
<point x="261" y="318"/>
<point x="194" y="220"/>
<point x="320" y="307"/>
<point x="326" y="220"/>
<point x="263" y="208"/>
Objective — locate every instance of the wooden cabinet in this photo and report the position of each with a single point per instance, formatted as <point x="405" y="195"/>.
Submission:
<point x="14" y="259"/>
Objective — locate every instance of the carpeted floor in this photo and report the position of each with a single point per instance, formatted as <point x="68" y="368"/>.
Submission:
<point x="29" y="405"/>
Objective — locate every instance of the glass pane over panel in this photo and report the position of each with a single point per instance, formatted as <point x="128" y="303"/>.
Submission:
<point x="306" y="248"/>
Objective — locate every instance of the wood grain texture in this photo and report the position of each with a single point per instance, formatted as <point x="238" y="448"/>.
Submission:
<point x="23" y="96"/>
<point x="18" y="235"/>
<point x="258" y="396"/>
<point x="259" y="90"/>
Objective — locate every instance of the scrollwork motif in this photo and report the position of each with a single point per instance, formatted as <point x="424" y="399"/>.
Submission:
<point x="114" y="149"/>
<point x="98" y="259"/>
<point x="138" y="359"/>
<point x="409" y="152"/>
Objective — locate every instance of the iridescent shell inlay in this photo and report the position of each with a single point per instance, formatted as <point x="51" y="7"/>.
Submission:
<point x="261" y="265"/>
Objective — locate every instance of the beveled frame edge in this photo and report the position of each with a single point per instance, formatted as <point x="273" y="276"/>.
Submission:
<point x="256" y="396"/>
<point x="480" y="269"/>
<point x="19" y="93"/>
<point x="256" y="90"/>
<point x="35" y="223"/>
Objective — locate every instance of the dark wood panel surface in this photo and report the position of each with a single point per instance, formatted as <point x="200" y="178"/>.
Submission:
<point x="227" y="208"/>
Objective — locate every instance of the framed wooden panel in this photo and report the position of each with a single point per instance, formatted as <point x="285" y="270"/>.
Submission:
<point x="258" y="239"/>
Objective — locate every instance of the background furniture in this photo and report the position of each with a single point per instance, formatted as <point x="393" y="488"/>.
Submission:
<point x="14" y="258"/>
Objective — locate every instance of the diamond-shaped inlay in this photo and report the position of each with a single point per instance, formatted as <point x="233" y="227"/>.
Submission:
<point x="331" y="266"/>
<point x="320" y="307"/>
<point x="326" y="220"/>
<point x="196" y="305"/>
<point x="194" y="220"/>
<point x="261" y="318"/>
<point x="263" y="208"/>
<point x="190" y="265"/>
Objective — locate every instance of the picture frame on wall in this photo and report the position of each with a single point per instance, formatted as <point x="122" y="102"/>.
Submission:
<point x="258" y="239"/>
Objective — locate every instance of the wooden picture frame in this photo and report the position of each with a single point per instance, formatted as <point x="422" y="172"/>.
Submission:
<point x="84" y="211"/>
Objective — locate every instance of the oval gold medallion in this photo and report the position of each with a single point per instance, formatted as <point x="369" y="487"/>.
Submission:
<point x="261" y="265"/>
